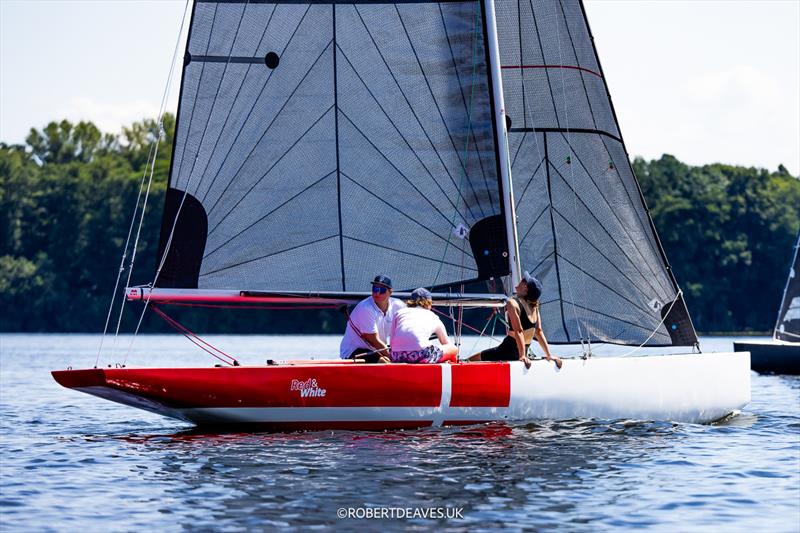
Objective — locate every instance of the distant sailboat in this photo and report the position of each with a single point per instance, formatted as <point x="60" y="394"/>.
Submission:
<point x="782" y="354"/>
<point x="320" y="143"/>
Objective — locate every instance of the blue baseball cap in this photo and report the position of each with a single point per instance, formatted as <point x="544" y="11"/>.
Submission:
<point x="421" y="294"/>
<point x="534" y="286"/>
<point x="382" y="280"/>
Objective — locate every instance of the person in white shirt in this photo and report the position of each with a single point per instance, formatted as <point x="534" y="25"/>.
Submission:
<point x="366" y="336"/>
<point x="412" y="328"/>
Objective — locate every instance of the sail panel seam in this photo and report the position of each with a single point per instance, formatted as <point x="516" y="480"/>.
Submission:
<point x="439" y="110"/>
<point x="645" y="312"/>
<point x="553" y="227"/>
<point x="538" y="217"/>
<point x="252" y="107"/>
<point x="546" y="71"/>
<point x="530" y="180"/>
<point x="414" y="113"/>
<point x="405" y="140"/>
<point x="410" y="253"/>
<point x="580" y="69"/>
<point x="179" y="170"/>
<point x="336" y="134"/>
<point x="611" y="237"/>
<point x="435" y="208"/>
<point x="213" y="104"/>
<point x="467" y="108"/>
<point x="259" y="180"/>
<point x="613" y="212"/>
<point x="277" y="114"/>
<point x="227" y="240"/>
<point x="291" y="248"/>
<point x="415" y="221"/>
<point x="604" y="256"/>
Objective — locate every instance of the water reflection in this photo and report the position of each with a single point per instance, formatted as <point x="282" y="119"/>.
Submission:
<point x="529" y="473"/>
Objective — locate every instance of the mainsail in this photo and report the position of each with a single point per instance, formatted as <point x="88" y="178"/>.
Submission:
<point x="583" y="225"/>
<point x="788" y="326"/>
<point x="321" y="143"/>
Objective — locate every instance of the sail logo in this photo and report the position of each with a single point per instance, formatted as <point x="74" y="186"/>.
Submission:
<point x="308" y="388"/>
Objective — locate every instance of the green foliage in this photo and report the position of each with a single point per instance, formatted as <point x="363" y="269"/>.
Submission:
<point x="67" y="198"/>
<point x="728" y="233"/>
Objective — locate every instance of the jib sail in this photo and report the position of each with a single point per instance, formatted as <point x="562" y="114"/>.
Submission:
<point x="583" y="226"/>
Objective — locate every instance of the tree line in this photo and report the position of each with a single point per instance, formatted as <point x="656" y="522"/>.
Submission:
<point x="67" y="198"/>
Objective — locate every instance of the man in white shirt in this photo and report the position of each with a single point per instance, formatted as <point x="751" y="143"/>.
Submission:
<point x="367" y="334"/>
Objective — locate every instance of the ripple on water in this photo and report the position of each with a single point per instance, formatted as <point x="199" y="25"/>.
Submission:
<point x="70" y="459"/>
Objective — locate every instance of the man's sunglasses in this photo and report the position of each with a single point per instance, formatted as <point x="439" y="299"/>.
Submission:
<point x="377" y="289"/>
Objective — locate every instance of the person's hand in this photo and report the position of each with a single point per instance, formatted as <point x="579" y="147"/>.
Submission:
<point x="525" y="361"/>
<point x="556" y="359"/>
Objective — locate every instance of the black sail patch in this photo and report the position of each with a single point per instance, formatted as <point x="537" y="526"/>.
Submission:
<point x="181" y="268"/>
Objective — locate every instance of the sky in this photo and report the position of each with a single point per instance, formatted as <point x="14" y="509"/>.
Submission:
<point x="704" y="80"/>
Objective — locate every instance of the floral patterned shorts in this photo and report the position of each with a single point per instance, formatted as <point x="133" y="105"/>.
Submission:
<point x="430" y="354"/>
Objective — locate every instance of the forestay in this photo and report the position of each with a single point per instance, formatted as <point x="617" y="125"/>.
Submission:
<point x="788" y="326"/>
<point x="583" y="227"/>
<point x="321" y="143"/>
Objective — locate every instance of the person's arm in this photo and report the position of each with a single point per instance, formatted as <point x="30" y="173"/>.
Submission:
<point x="539" y="333"/>
<point x="512" y="310"/>
<point x="364" y="324"/>
<point x="373" y="340"/>
<point x="441" y="332"/>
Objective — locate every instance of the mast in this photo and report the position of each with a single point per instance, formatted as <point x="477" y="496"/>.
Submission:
<point x="502" y="142"/>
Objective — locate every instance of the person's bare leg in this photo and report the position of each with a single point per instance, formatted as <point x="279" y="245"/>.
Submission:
<point x="451" y="351"/>
<point x="476" y="357"/>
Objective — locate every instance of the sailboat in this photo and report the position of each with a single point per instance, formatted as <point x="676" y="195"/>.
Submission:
<point x="782" y="354"/>
<point x="445" y="145"/>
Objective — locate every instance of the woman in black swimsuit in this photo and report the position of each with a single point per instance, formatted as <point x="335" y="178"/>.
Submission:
<point x="524" y="323"/>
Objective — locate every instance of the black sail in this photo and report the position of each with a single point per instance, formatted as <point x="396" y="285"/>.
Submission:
<point x="583" y="225"/>
<point x="321" y="143"/>
<point x="788" y="326"/>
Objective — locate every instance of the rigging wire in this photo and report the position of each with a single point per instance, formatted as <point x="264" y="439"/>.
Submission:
<point x="151" y="156"/>
<point x="195" y="339"/>
<point x="124" y="256"/>
<point x="465" y="324"/>
<point x="491" y="320"/>
<point x="185" y="192"/>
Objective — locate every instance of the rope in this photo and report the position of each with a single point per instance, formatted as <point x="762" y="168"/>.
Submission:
<point x="195" y="339"/>
<point x="680" y="293"/>
<point x="463" y="324"/>
<point x="491" y="320"/>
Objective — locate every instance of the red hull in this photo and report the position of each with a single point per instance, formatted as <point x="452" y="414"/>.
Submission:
<point x="323" y="395"/>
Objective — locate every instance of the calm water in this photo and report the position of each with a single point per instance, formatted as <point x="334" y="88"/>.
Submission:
<point x="70" y="461"/>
